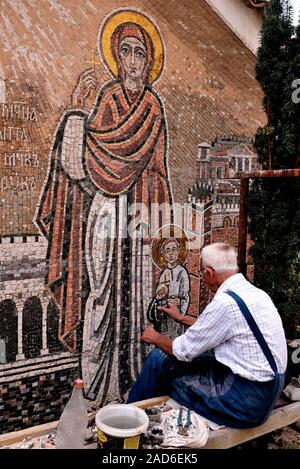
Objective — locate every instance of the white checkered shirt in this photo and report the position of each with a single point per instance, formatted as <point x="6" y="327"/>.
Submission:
<point x="222" y="328"/>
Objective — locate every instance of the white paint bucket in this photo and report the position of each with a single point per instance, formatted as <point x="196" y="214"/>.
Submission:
<point x="121" y="426"/>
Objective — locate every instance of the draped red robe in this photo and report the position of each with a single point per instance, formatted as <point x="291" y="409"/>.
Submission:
<point x="124" y="152"/>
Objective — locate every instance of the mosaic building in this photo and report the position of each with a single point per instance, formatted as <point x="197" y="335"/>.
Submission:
<point x="217" y="163"/>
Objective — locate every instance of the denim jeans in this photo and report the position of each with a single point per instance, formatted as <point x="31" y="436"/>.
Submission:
<point x="208" y="387"/>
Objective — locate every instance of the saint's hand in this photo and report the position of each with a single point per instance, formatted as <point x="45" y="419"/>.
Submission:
<point x="174" y="300"/>
<point x="172" y="311"/>
<point x="86" y="83"/>
<point x="150" y="336"/>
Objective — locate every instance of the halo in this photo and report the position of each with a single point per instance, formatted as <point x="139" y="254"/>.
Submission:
<point x="130" y="16"/>
<point x="165" y="232"/>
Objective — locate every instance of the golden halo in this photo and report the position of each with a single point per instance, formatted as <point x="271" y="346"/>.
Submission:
<point x="165" y="232"/>
<point x="131" y="16"/>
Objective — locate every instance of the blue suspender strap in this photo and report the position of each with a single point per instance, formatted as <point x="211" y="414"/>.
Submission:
<point x="254" y="328"/>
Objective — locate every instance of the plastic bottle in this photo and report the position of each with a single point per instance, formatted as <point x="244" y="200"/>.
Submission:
<point x="72" y="425"/>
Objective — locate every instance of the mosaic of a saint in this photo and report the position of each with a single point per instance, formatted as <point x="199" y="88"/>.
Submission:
<point x="102" y="164"/>
<point x="169" y="253"/>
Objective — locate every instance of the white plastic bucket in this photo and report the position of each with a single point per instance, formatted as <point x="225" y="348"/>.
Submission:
<point x="121" y="426"/>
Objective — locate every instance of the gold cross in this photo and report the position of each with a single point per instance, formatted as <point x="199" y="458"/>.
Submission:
<point x="92" y="61"/>
<point x="166" y="281"/>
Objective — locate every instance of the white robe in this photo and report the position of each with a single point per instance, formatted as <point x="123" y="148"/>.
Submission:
<point x="178" y="284"/>
<point x="110" y="326"/>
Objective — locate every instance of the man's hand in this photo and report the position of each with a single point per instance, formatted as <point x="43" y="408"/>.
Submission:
<point x="150" y="336"/>
<point x="172" y="311"/>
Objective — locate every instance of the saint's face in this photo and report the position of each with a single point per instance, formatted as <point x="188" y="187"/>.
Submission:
<point x="133" y="56"/>
<point x="171" y="252"/>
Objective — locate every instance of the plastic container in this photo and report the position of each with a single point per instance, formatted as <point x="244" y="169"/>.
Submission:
<point x="121" y="426"/>
<point x="72" y="425"/>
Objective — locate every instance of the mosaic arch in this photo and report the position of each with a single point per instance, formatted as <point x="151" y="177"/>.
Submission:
<point x="108" y="172"/>
<point x="8" y="331"/>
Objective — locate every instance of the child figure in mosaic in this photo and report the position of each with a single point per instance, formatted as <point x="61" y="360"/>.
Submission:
<point x="173" y="285"/>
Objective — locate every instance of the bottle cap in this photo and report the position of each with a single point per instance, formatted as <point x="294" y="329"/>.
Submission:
<point x="78" y="383"/>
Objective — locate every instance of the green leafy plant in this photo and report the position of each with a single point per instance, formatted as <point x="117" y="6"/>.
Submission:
<point x="274" y="204"/>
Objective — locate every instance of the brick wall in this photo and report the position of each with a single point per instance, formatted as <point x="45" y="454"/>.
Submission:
<point x="208" y="86"/>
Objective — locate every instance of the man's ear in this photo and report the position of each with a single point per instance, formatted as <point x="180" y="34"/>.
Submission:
<point x="210" y="271"/>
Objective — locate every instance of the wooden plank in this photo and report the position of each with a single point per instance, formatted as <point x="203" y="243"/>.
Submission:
<point x="223" y="438"/>
<point x="147" y="403"/>
<point x="38" y="430"/>
<point x="32" y="432"/>
<point x="229" y="437"/>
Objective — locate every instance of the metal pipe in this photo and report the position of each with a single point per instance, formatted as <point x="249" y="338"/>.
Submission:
<point x="268" y="173"/>
<point x="242" y="239"/>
